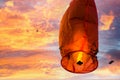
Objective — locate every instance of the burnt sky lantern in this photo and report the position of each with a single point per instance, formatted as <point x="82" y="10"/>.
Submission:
<point x="78" y="37"/>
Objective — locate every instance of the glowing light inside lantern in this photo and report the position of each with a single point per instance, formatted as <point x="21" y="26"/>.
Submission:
<point x="79" y="57"/>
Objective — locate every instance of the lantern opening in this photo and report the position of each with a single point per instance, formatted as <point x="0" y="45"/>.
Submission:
<point x="79" y="62"/>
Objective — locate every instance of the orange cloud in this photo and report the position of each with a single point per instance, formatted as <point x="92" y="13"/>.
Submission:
<point x="106" y="20"/>
<point x="20" y="60"/>
<point x="17" y="31"/>
<point x="32" y="28"/>
<point x="25" y="27"/>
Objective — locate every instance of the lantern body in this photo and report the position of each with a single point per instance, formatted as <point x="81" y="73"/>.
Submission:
<point x="78" y="37"/>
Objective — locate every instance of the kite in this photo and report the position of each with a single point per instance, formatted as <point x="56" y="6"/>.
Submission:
<point x="78" y="37"/>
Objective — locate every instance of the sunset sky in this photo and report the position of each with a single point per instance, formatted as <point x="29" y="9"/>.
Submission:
<point x="29" y="31"/>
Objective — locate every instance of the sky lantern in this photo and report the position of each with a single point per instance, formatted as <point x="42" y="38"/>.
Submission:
<point x="78" y="37"/>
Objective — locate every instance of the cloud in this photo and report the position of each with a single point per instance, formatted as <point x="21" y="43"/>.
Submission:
<point x="13" y="19"/>
<point x="37" y="74"/>
<point x="105" y="69"/>
<point x="20" y="53"/>
<point x="24" y="5"/>
<point x="114" y="54"/>
<point x="32" y="62"/>
<point x="106" y="21"/>
<point x="9" y="4"/>
<point x="107" y="6"/>
<point x="108" y="13"/>
<point x="12" y="69"/>
<point x="14" y="24"/>
<point x="34" y="26"/>
<point x="25" y="53"/>
<point x="109" y="70"/>
<point x="29" y="26"/>
<point x="115" y="32"/>
<point x="42" y="70"/>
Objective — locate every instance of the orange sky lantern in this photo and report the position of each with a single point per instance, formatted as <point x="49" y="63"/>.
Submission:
<point x="78" y="37"/>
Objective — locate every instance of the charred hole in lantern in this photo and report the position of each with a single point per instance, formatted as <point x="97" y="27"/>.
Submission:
<point x="79" y="63"/>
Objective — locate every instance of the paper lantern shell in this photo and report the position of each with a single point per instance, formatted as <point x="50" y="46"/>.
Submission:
<point x="78" y="37"/>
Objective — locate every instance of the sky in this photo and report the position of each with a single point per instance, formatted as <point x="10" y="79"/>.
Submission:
<point x="29" y="31"/>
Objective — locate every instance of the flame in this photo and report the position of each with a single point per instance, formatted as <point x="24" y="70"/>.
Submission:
<point x="79" y="58"/>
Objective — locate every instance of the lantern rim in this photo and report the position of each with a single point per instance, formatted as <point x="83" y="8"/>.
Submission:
<point x="94" y="58"/>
